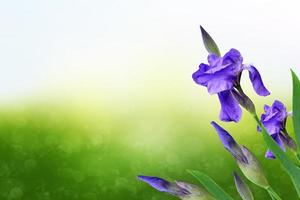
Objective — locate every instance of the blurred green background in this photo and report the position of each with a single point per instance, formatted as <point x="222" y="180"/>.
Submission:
<point x="72" y="151"/>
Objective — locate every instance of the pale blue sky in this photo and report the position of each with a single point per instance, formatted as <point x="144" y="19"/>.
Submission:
<point x="115" y="47"/>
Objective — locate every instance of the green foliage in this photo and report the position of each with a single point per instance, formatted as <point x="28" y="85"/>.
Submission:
<point x="296" y="106"/>
<point x="285" y="161"/>
<point x="61" y="152"/>
<point x="210" y="185"/>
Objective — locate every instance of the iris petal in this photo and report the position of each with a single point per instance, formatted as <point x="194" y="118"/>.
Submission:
<point x="257" y="82"/>
<point x="230" y="109"/>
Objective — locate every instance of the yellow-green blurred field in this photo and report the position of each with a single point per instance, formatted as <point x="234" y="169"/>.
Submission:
<point x="70" y="151"/>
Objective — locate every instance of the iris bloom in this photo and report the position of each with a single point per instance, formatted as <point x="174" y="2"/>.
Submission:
<point x="222" y="76"/>
<point x="246" y="160"/>
<point x="274" y="120"/>
<point x="179" y="189"/>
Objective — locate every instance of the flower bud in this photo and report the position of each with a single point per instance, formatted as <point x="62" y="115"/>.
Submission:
<point x="252" y="169"/>
<point x="196" y="193"/>
<point x="182" y="190"/>
<point x="244" y="101"/>
<point x="242" y="188"/>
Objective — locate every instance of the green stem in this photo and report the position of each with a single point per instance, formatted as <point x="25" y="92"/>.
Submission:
<point x="298" y="156"/>
<point x="273" y="194"/>
<point x="270" y="190"/>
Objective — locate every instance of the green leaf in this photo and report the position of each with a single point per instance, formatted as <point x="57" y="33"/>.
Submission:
<point x="210" y="185"/>
<point x="296" y="106"/>
<point x="285" y="162"/>
<point x="209" y="43"/>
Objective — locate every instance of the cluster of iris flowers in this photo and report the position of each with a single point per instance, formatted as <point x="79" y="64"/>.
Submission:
<point x="221" y="75"/>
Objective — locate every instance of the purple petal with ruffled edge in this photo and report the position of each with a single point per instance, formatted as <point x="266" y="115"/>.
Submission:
<point x="229" y="143"/>
<point x="222" y="72"/>
<point x="280" y="109"/>
<point x="230" y="109"/>
<point x="214" y="82"/>
<point x="199" y="77"/>
<point x="233" y="56"/>
<point x="274" y="117"/>
<point x="257" y="82"/>
<point x="280" y="143"/>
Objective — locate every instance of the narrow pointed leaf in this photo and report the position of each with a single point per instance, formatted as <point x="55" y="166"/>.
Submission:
<point x="296" y="106"/>
<point x="292" y="170"/>
<point x="209" y="43"/>
<point x="210" y="185"/>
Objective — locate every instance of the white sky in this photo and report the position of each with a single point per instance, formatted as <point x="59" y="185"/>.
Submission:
<point x="115" y="46"/>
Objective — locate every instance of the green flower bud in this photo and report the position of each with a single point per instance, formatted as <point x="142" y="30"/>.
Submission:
<point x="196" y="193"/>
<point x="252" y="169"/>
<point x="242" y="188"/>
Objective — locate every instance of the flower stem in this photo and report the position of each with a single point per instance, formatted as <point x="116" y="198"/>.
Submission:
<point x="272" y="197"/>
<point x="270" y="190"/>
<point x="298" y="156"/>
<point x="273" y="194"/>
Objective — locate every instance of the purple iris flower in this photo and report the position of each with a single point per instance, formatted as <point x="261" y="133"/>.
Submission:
<point x="274" y="120"/>
<point x="222" y="76"/>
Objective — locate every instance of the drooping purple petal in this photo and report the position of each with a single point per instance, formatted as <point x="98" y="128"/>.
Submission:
<point x="229" y="143"/>
<point x="230" y="109"/>
<point x="280" y="143"/>
<point x="257" y="82"/>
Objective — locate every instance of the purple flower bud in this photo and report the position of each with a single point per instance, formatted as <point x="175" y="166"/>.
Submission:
<point x="229" y="143"/>
<point x="274" y="120"/>
<point x="230" y="109"/>
<point x="247" y="162"/>
<point x="163" y="185"/>
<point x="222" y="76"/>
<point x="179" y="189"/>
<point x="242" y="188"/>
